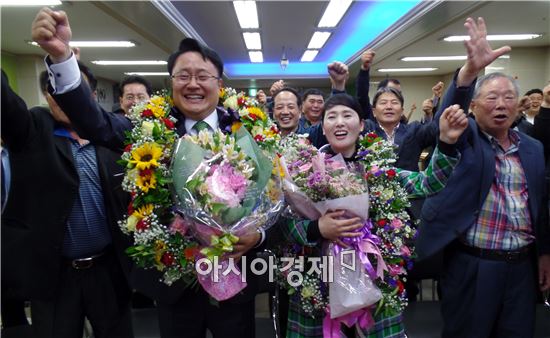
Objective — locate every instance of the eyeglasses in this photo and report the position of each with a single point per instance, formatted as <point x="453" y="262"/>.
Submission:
<point x="135" y="97"/>
<point x="184" y="78"/>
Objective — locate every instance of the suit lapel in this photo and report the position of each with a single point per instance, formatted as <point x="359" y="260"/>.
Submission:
<point x="64" y="147"/>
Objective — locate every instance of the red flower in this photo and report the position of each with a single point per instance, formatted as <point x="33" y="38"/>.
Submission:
<point x="400" y="286"/>
<point x="241" y="101"/>
<point x="258" y="138"/>
<point x="190" y="253"/>
<point x="167" y="259"/>
<point x="142" y="225"/>
<point x="391" y="173"/>
<point x="253" y="117"/>
<point x="382" y="222"/>
<point x="147" y="113"/>
<point x="128" y="148"/>
<point x="372" y="135"/>
<point x="168" y="123"/>
<point x="130" y="208"/>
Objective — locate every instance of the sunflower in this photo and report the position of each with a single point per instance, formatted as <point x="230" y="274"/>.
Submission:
<point x="146" y="156"/>
<point x="143" y="211"/>
<point x="258" y="112"/>
<point x="146" y="180"/>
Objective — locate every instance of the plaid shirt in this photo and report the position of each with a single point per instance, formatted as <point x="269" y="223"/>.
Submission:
<point x="504" y="222"/>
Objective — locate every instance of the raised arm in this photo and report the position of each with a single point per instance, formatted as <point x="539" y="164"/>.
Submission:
<point x="17" y="124"/>
<point x="363" y="84"/>
<point x="480" y="55"/>
<point x="52" y="31"/>
<point x="444" y="160"/>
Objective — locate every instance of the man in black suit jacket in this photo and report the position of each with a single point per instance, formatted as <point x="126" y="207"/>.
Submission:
<point x="491" y="219"/>
<point x="61" y="246"/>
<point x="196" y="73"/>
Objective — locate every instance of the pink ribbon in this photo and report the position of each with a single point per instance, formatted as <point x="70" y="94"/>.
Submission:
<point x="362" y="317"/>
<point x="367" y="246"/>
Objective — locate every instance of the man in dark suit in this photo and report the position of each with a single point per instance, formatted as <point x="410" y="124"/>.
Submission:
<point x="492" y="218"/>
<point x="196" y="72"/>
<point x="61" y="247"/>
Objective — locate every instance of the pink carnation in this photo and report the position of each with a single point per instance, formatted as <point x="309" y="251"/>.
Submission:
<point x="396" y="223"/>
<point x="226" y="186"/>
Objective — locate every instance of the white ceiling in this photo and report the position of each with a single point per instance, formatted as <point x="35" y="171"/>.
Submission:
<point x="287" y="23"/>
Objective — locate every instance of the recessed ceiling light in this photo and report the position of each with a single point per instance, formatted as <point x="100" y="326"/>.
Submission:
<point x="391" y="70"/>
<point x="256" y="56"/>
<point x="434" y="58"/>
<point x="247" y="14"/>
<point x="318" y="40"/>
<point x="148" y="73"/>
<point x="129" y="63"/>
<point x="497" y="37"/>
<point x="96" y="43"/>
<point x="309" y="55"/>
<point x="252" y="40"/>
<point x="21" y="3"/>
<point x="334" y="12"/>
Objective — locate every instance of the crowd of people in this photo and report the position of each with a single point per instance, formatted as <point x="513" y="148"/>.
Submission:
<point x="481" y="203"/>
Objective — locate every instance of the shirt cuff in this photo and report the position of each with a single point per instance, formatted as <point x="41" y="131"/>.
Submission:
<point x="447" y="149"/>
<point x="262" y="237"/>
<point x="64" y="76"/>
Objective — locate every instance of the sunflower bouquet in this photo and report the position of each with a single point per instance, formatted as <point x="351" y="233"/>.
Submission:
<point x="161" y="239"/>
<point x="221" y="184"/>
<point x="263" y="130"/>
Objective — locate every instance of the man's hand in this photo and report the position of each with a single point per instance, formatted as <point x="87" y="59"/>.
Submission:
<point x="480" y="54"/>
<point x="366" y="59"/>
<point x="437" y="90"/>
<point x="546" y="96"/>
<point x="276" y="86"/>
<point x="544" y="272"/>
<point x="332" y="228"/>
<point x="339" y="74"/>
<point x="452" y="124"/>
<point x="51" y="30"/>
<point x="245" y="243"/>
<point x="261" y="97"/>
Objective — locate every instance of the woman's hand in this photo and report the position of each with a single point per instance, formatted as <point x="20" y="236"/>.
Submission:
<point x="332" y="228"/>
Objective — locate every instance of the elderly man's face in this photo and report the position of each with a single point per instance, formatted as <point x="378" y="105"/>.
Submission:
<point x="495" y="108"/>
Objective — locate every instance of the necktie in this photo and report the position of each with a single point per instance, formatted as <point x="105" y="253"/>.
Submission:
<point x="201" y="125"/>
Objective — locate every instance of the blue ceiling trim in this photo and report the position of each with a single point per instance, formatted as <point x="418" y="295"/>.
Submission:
<point x="364" y="21"/>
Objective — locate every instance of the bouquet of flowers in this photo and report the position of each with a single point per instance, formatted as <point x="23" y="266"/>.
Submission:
<point x="160" y="238"/>
<point x="388" y="220"/>
<point x="222" y="184"/>
<point x="263" y="130"/>
<point x="315" y="183"/>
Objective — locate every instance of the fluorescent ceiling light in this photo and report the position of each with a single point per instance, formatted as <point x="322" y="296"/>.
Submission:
<point x="247" y="14"/>
<point x="256" y="56"/>
<point x="318" y="40"/>
<point x="494" y="68"/>
<point x="148" y="73"/>
<point x="334" y="12"/>
<point x="309" y="55"/>
<point x="500" y="37"/>
<point x="433" y="58"/>
<point x="442" y="58"/>
<point x="252" y="40"/>
<point x="96" y="43"/>
<point x="391" y="70"/>
<point x="22" y="3"/>
<point x="129" y="63"/>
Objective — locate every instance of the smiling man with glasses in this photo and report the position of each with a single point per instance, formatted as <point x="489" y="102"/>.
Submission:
<point x="196" y="72"/>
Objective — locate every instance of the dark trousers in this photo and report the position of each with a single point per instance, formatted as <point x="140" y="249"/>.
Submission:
<point x="487" y="298"/>
<point x="194" y="313"/>
<point x="99" y="293"/>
